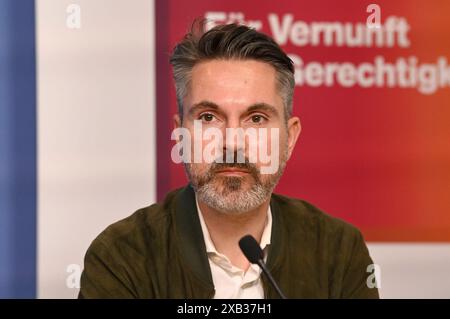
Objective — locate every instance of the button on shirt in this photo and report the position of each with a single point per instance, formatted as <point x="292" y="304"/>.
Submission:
<point x="231" y="282"/>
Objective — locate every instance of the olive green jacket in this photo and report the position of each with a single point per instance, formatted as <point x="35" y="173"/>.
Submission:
<point x="159" y="252"/>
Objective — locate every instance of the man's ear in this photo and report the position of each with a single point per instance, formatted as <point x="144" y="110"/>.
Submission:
<point x="177" y="123"/>
<point x="294" y="129"/>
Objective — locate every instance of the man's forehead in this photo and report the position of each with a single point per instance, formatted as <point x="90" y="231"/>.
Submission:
<point x="233" y="83"/>
<point x="214" y="67"/>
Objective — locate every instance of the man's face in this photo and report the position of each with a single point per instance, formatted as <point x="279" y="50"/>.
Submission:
<point x="233" y="94"/>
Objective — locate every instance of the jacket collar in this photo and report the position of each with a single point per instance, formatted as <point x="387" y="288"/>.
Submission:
<point x="190" y="237"/>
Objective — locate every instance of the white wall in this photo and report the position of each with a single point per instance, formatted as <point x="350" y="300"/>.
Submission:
<point x="419" y="270"/>
<point x="96" y="127"/>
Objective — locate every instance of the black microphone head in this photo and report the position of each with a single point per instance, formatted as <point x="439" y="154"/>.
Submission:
<point x="251" y="249"/>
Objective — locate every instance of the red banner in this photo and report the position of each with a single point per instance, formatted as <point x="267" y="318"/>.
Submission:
<point x="374" y="101"/>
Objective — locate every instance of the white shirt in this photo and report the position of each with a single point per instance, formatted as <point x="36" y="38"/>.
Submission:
<point x="231" y="282"/>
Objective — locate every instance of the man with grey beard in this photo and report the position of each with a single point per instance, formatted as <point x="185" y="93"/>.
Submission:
<point x="231" y="77"/>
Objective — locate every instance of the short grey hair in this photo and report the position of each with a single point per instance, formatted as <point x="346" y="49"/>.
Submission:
<point x="230" y="41"/>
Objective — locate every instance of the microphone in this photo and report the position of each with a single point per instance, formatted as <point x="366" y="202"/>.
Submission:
<point x="255" y="255"/>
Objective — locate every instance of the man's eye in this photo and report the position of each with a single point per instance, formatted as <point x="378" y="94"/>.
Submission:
<point x="207" y="117"/>
<point x="257" y="119"/>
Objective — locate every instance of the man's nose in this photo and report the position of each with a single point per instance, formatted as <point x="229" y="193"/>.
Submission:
<point x="234" y="140"/>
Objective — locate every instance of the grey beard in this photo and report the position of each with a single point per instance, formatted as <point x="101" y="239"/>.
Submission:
<point x="228" y="197"/>
<point x="232" y="199"/>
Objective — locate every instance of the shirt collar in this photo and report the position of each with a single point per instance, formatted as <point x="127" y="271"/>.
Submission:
<point x="210" y="248"/>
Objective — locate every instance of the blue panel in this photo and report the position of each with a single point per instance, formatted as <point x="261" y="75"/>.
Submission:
<point x="17" y="149"/>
